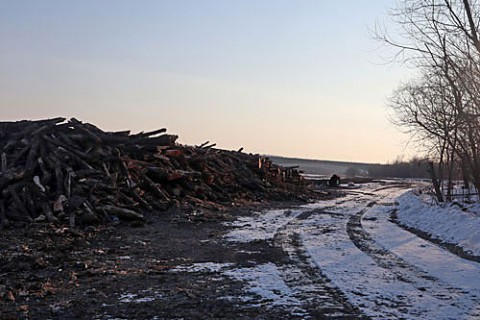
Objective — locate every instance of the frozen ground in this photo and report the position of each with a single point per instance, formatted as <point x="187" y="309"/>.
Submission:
<point x="381" y="252"/>
<point x="348" y="259"/>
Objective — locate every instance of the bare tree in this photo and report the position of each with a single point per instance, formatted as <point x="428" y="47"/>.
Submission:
<point x="441" y="39"/>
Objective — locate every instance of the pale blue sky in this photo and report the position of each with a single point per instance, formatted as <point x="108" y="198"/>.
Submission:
<point x="296" y="78"/>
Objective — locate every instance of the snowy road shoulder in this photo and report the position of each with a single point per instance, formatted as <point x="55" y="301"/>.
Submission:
<point x="440" y="263"/>
<point x="448" y="223"/>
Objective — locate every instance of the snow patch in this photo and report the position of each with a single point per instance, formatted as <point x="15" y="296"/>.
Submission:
<point x="266" y="282"/>
<point x="202" y="267"/>
<point x="260" y="226"/>
<point x="141" y="297"/>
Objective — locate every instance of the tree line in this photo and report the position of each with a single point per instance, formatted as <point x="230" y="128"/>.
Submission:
<point x="414" y="168"/>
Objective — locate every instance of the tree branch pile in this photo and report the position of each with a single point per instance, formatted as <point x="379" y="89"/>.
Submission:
<point x="72" y="172"/>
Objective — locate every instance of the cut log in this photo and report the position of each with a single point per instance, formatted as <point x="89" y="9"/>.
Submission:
<point x="116" y="171"/>
<point x="122" y="213"/>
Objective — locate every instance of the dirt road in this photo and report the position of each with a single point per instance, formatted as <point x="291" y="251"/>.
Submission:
<point x="342" y="258"/>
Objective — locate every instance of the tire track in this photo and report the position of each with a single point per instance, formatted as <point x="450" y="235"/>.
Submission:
<point x="322" y="299"/>
<point x="400" y="268"/>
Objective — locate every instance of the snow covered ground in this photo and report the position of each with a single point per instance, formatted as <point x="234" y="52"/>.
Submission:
<point x="449" y="223"/>
<point x="348" y="258"/>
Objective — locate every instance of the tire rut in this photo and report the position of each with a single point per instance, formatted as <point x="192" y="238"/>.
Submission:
<point x="403" y="270"/>
<point x="323" y="300"/>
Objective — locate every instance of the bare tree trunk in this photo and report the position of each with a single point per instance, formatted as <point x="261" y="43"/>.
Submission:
<point x="436" y="184"/>
<point x="465" y="176"/>
<point x="450" y="167"/>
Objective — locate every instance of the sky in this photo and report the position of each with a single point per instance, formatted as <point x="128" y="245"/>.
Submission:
<point x="296" y="78"/>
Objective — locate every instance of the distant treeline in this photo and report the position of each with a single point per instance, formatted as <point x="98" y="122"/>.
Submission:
<point x="415" y="168"/>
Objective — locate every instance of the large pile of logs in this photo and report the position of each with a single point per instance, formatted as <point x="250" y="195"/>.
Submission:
<point x="72" y="172"/>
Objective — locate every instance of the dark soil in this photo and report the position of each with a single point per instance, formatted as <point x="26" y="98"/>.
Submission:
<point x="108" y="272"/>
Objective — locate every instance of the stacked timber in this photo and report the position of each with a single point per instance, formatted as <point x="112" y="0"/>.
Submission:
<point x="73" y="172"/>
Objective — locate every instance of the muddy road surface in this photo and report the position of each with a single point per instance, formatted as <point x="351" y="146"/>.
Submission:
<point x="342" y="258"/>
